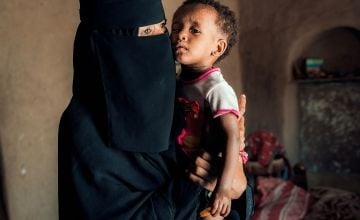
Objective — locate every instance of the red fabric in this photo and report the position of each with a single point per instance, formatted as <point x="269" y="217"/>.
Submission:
<point x="263" y="146"/>
<point x="280" y="200"/>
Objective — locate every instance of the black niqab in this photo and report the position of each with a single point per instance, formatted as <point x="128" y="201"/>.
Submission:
<point x="134" y="76"/>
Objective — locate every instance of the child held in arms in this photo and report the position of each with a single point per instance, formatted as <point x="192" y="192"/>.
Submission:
<point x="202" y="33"/>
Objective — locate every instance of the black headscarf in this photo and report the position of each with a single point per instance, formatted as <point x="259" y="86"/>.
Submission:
<point x="131" y="79"/>
<point x="121" y="13"/>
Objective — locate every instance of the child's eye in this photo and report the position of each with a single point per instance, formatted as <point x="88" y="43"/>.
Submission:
<point x="195" y="31"/>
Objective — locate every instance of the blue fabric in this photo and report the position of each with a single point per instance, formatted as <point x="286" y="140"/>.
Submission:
<point x="245" y="204"/>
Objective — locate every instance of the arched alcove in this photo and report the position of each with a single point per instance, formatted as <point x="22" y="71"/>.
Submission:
<point x="339" y="48"/>
<point x="326" y="123"/>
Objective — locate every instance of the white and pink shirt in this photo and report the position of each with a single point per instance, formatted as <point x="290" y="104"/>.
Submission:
<point x="209" y="93"/>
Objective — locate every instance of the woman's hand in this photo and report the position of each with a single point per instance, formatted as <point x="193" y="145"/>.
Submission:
<point x="204" y="171"/>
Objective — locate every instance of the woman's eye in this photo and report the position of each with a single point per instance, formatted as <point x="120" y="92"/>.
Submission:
<point x="147" y="31"/>
<point x="153" y="29"/>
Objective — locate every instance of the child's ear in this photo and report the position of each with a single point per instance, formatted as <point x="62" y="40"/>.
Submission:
<point x="220" y="48"/>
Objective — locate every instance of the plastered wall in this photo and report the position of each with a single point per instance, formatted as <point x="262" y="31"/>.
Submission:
<point x="35" y="84"/>
<point x="272" y="38"/>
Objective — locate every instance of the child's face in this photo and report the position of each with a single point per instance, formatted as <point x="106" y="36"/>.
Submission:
<point x="195" y="35"/>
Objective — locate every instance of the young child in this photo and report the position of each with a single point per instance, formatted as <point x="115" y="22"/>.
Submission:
<point x="202" y="33"/>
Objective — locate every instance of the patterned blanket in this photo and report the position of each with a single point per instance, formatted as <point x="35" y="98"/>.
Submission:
<point x="278" y="199"/>
<point x="334" y="204"/>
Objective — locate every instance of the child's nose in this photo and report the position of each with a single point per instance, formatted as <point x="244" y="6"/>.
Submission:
<point x="182" y="35"/>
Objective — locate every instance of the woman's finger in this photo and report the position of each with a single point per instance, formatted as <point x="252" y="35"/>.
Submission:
<point x="242" y="104"/>
<point x="207" y="162"/>
<point x="208" y="184"/>
<point x="203" y="163"/>
<point x="201" y="172"/>
<point x="242" y="125"/>
<point x="242" y="132"/>
<point x="206" y="156"/>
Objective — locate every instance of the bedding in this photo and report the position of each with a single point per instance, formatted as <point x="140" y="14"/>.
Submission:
<point x="278" y="199"/>
<point x="333" y="204"/>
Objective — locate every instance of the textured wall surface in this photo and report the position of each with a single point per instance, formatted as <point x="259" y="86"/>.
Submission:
<point x="272" y="37"/>
<point x="330" y="127"/>
<point x="35" y="69"/>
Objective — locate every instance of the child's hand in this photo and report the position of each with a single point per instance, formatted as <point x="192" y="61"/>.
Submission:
<point x="221" y="203"/>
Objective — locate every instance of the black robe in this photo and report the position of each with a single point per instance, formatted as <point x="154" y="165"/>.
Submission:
<point x="116" y="157"/>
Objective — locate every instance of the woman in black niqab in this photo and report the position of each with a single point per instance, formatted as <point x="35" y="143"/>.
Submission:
<point x="115" y="156"/>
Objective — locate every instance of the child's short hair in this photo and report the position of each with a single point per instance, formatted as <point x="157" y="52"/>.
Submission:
<point x="226" y="21"/>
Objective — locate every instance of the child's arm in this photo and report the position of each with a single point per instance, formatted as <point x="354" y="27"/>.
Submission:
<point x="222" y="195"/>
